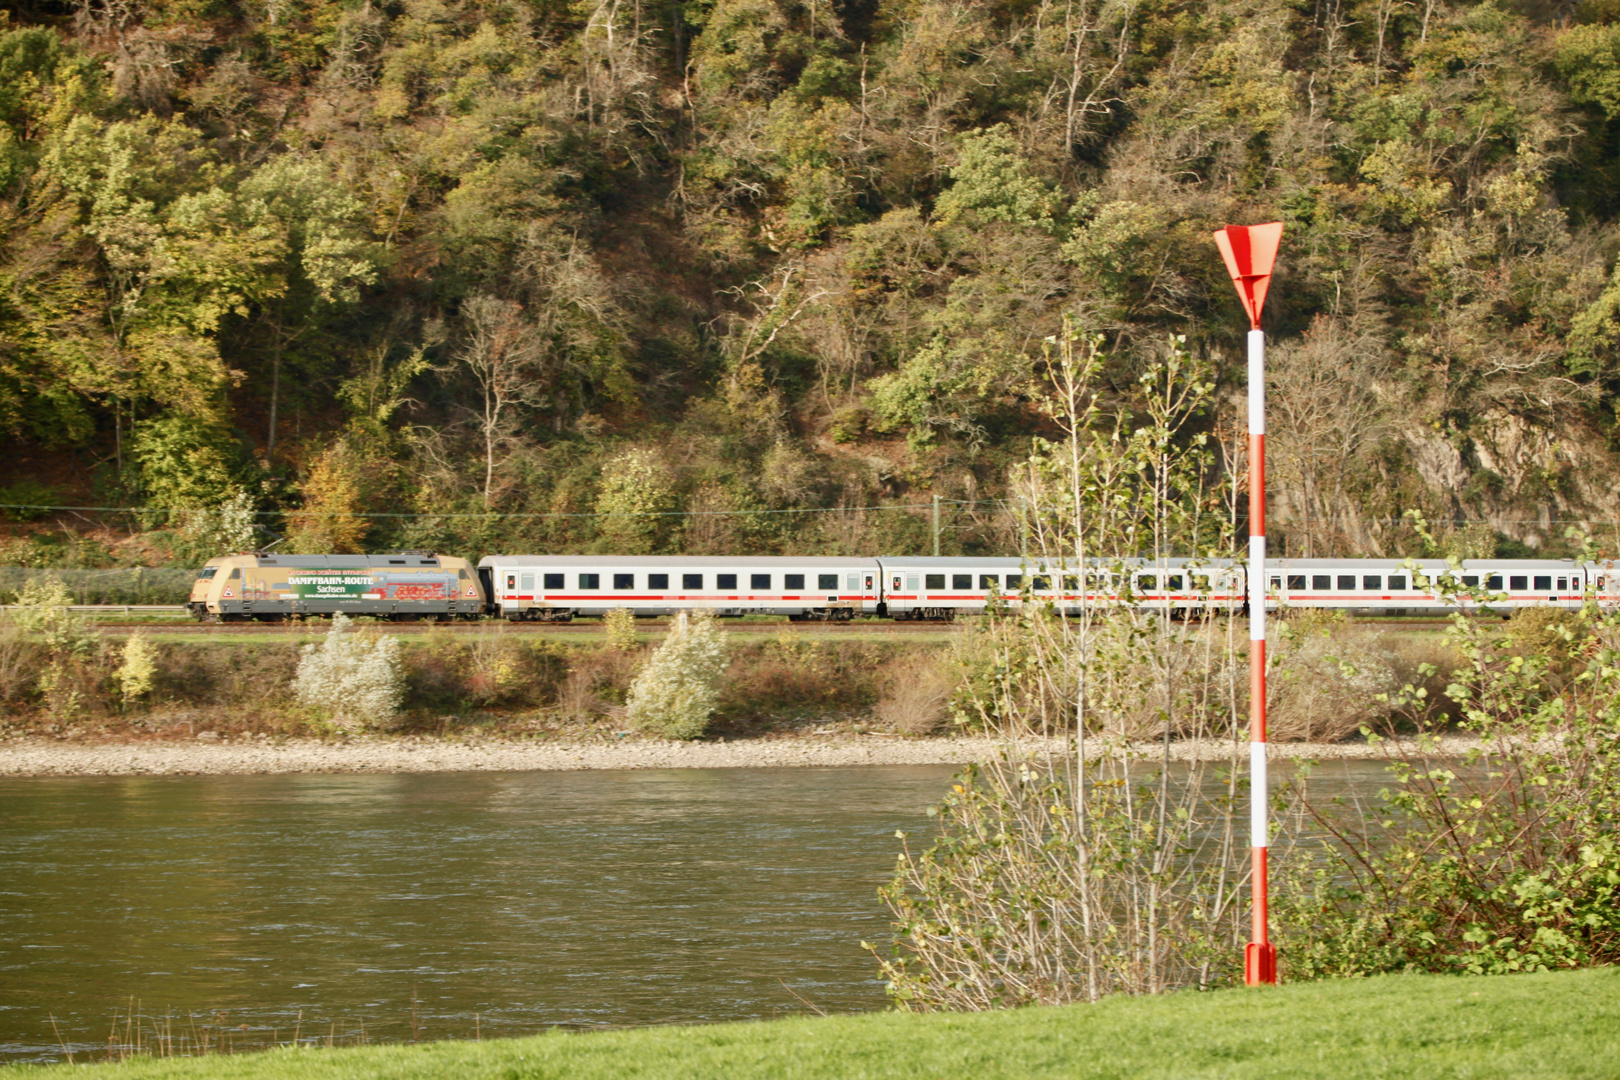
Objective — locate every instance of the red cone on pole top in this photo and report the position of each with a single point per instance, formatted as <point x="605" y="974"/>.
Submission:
<point x="1250" y="252"/>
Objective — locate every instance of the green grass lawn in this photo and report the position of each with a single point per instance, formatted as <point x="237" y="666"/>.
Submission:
<point x="1547" y="1025"/>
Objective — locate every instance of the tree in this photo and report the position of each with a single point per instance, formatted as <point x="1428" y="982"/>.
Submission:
<point x="500" y="353"/>
<point x="327" y="255"/>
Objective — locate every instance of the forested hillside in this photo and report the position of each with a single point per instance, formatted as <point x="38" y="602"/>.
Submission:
<point x="510" y="271"/>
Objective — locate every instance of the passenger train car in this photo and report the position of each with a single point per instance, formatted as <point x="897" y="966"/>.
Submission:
<point x="558" y="587"/>
<point x="1389" y="585"/>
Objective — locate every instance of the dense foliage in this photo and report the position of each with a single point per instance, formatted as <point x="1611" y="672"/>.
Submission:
<point x="1504" y="861"/>
<point x="739" y="257"/>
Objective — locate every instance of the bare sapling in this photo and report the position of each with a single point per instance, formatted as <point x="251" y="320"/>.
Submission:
<point x="1082" y="861"/>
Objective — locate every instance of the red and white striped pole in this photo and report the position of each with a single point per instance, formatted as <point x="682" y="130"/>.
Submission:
<point x="1250" y="252"/>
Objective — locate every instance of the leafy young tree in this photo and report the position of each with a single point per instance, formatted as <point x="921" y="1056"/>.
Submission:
<point x="327" y="255"/>
<point x="185" y="462"/>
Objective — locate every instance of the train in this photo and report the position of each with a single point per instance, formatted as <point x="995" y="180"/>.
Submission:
<point x="411" y="585"/>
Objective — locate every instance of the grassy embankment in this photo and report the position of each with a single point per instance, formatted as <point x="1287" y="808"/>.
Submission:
<point x="1564" y="1025"/>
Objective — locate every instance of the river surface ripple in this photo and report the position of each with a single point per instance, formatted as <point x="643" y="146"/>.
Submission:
<point x="509" y="902"/>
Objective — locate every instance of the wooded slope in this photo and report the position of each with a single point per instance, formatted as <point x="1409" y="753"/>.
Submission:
<point x="437" y="257"/>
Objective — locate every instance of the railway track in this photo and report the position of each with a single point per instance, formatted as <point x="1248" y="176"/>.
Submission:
<point x="587" y="628"/>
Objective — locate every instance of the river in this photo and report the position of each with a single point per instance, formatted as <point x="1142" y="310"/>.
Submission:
<point x="492" y="903"/>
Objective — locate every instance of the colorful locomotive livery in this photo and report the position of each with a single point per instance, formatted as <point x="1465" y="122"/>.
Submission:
<point x="556" y="588"/>
<point x="399" y="585"/>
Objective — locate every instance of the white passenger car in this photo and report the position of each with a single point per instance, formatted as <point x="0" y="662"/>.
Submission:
<point x="1389" y="586"/>
<point x="943" y="587"/>
<point x="558" y="587"/>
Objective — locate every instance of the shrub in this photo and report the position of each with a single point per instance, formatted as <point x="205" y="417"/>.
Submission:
<point x="42" y="612"/>
<point x="1505" y="861"/>
<point x="134" y="676"/>
<point x="24" y="499"/>
<point x="620" y="627"/>
<point x="676" y="691"/>
<point x="353" y="676"/>
<point x="916" y="695"/>
<point x="596" y="682"/>
<point x="1325" y="679"/>
<point x="223" y="528"/>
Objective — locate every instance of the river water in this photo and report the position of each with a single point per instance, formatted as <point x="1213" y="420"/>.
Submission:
<point x="502" y="903"/>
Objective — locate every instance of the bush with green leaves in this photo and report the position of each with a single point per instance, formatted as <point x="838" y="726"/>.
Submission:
<point x="619" y="626"/>
<point x="41" y="611"/>
<point x="137" y="670"/>
<point x="676" y="691"/>
<point x="354" y="677"/>
<point x="1506" y="860"/>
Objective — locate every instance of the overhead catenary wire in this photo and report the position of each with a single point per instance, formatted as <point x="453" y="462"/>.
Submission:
<point x="1006" y="504"/>
<point x="509" y="514"/>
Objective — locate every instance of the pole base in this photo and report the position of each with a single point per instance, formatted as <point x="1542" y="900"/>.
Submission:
<point x="1260" y="964"/>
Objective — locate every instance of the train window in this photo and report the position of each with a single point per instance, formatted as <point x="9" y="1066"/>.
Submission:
<point x="511" y="583"/>
<point x="1015" y="581"/>
<point x="1563" y="583"/>
<point x="792" y="581"/>
<point x="691" y="581"/>
<point x="934" y="581"/>
<point x="586" y="581"/>
<point x="526" y="583"/>
<point x="1296" y="582"/>
<point x="911" y="582"/>
<point x="1347" y="581"/>
<point x="1543" y="582"/>
<point x="1174" y="583"/>
<point x="1041" y="583"/>
<point x="554" y="581"/>
<point x="624" y="581"/>
<point x="961" y="581"/>
<point x="1146" y="583"/>
<point x="725" y="581"/>
<point x="1071" y="582"/>
<point x="396" y="562"/>
<point x="852" y="582"/>
<point x="830" y="581"/>
<point x="1372" y="582"/>
<point x="759" y="581"/>
<point x="1494" y="582"/>
<point x="658" y="581"/>
<point x="1321" y="581"/>
<point x="989" y="581"/>
<point x="1518" y="583"/>
<point x="1470" y="581"/>
<point x="1397" y="582"/>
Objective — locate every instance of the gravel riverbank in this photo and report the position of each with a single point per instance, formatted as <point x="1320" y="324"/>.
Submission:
<point x="251" y="756"/>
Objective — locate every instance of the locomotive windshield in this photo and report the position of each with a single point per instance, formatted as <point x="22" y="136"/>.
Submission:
<point x="207" y="572"/>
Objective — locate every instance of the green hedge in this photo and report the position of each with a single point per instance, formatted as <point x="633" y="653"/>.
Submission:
<point x="136" y="585"/>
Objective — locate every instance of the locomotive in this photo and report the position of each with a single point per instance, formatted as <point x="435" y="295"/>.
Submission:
<point x="556" y="588"/>
<point x="401" y="585"/>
